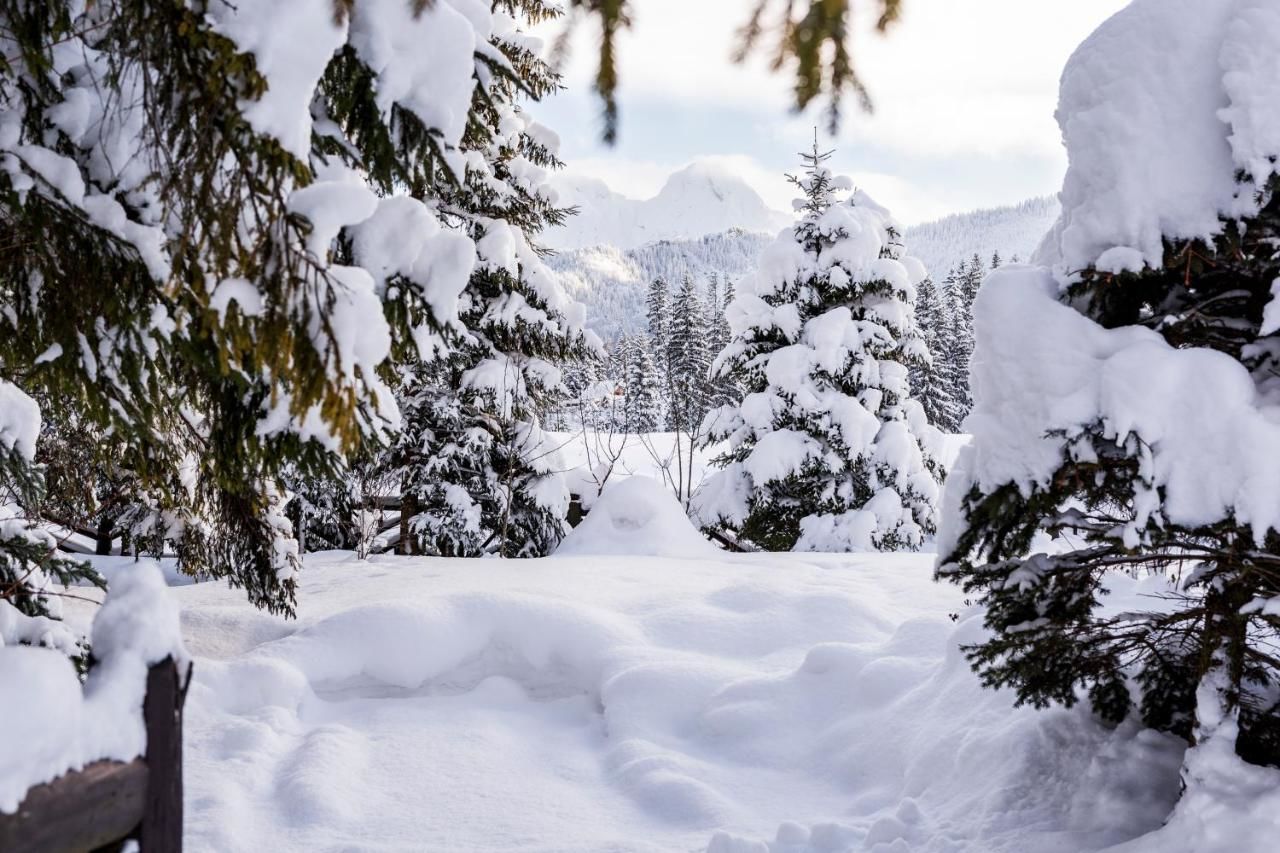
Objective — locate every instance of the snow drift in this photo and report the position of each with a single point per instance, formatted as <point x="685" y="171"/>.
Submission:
<point x="638" y="705"/>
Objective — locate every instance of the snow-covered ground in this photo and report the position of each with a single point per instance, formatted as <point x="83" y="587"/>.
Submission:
<point x="635" y="704"/>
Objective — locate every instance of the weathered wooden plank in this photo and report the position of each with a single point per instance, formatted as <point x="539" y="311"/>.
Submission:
<point x="80" y="811"/>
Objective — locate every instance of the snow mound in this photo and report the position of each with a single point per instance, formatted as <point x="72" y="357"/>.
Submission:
<point x="1228" y="805"/>
<point x="636" y="516"/>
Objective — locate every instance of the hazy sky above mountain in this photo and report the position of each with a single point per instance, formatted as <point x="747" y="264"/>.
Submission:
<point x="965" y="92"/>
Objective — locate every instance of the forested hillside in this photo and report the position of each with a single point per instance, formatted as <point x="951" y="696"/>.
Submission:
<point x="612" y="281"/>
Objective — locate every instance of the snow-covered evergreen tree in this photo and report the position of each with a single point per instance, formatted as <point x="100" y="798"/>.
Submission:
<point x="933" y="380"/>
<point x="658" y="319"/>
<point x="658" y="312"/>
<point x="713" y="306"/>
<point x="688" y="360"/>
<point x="252" y="179"/>
<point x="724" y="389"/>
<point x="963" y="290"/>
<point x="474" y="459"/>
<point x="828" y="451"/>
<point x="643" y="388"/>
<point x="1126" y="400"/>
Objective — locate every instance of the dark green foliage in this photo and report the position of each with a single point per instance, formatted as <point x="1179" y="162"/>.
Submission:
<point x="26" y="558"/>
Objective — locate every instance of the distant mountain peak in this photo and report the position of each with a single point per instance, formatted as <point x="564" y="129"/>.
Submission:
<point x="702" y="198"/>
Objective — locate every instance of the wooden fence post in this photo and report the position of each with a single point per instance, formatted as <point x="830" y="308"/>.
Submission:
<point x="161" y="828"/>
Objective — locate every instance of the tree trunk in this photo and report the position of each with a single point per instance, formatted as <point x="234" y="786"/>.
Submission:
<point x="408" y="509"/>
<point x="1223" y="653"/>
<point x="103" y="540"/>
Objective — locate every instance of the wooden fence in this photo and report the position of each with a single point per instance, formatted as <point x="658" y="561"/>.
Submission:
<point x="110" y="802"/>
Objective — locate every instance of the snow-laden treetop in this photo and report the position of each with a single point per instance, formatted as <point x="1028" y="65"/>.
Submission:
<point x="1170" y="113"/>
<point x="1160" y="109"/>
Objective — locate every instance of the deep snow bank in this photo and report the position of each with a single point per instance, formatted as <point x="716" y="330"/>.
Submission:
<point x="638" y="704"/>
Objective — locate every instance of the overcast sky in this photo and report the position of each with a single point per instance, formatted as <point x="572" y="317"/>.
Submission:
<point x="965" y="92"/>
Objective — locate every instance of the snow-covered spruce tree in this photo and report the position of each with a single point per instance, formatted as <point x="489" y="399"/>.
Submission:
<point x="1127" y="399"/>
<point x="658" y="314"/>
<point x="712" y="305"/>
<point x="216" y="163"/>
<point x="724" y="388"/>
<point x="572" y="411"/>
<point x="643" y="388"/>
<point x="474" y="461"/>
<point x="688" y="386"/>
<point x="963" y="290"/>
<point x="933" y="380"/>
<point x="658" y="323"/>
<point x="688" y="360"/>
<point x="827" y="450"/>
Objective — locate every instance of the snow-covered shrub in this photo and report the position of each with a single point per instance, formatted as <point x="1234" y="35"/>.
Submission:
<point x="828" y="451"/>
<point x="1127" y="394"/>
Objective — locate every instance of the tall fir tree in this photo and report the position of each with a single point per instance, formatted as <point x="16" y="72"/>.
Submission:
<point x="643" y="388"/>
<point x="658" y="317"/>
<point x="713" y="305"/>
<point x="474" y="462"/>
<point x="658" y="314"/>
<point x="933" y="380"/>
<point x="689" y="360"/>
<point x="964" y="290"/>
<point x="827" y="450"/>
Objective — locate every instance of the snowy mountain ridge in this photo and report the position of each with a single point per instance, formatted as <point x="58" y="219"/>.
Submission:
<point x="697" y="200"/>
<point x="1015" y="231"/>
<point x="611" y="279"/>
